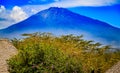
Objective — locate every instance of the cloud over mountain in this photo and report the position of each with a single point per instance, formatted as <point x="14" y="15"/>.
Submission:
<point x="65" y="3"/>
<point x="73" y="3"/>
<point x="9" y="17"/>
<point x="18" y="14"/>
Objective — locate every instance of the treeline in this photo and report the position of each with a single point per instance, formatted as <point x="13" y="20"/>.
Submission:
<point x="46" y="53"/>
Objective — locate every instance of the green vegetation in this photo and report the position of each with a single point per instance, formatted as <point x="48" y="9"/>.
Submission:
<point x="45" y="53"/>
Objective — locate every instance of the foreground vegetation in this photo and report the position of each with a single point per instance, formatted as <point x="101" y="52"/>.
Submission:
<point x="45" y="53"/>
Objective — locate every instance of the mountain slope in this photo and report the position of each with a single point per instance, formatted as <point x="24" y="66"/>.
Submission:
<point x="109" y="14"/>
<point x="62" y="21"/>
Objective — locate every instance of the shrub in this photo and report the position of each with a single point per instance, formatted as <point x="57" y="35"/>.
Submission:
<point x="45" y="53"/>
<point x="41" y="58"/>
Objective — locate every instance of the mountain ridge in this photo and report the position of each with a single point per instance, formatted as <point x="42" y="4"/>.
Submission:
<point x="55" y="19"/>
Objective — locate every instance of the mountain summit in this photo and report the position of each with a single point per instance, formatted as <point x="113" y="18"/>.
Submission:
<point x="62" y="21"/>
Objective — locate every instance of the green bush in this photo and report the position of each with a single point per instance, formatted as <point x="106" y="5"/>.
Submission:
<point x="42" y="58"/>
<point x="45" y="53"/>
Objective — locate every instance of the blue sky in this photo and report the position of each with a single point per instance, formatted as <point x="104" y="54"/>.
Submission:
<point x="14" y="11"/>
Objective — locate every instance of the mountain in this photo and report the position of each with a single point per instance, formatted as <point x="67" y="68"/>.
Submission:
<point x="109" y="14"/>
<point x="62" y="21"/>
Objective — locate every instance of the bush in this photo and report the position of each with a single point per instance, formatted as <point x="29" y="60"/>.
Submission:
<point x="42" y="58"/>
<point x="45" y="53"/>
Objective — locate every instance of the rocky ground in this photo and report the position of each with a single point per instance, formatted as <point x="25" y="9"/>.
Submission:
<point x="6" y="51"/>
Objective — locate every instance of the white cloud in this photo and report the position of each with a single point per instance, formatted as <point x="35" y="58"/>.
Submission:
<point x="74" y="3"/>
<point x="18" y="14"/>
<point x="4" y="15"/>
<point x="10" y="17"/>
<point x="3" y="11"/>
<point x="32" y="9"/>
<point x="2" y="8"/>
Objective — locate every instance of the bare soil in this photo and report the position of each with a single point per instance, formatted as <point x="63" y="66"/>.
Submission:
<point x="114" y="69"/>
<point x="7" y="50"/>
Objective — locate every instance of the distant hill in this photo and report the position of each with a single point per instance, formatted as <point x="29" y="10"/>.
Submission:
<point x="62" y="21"/>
